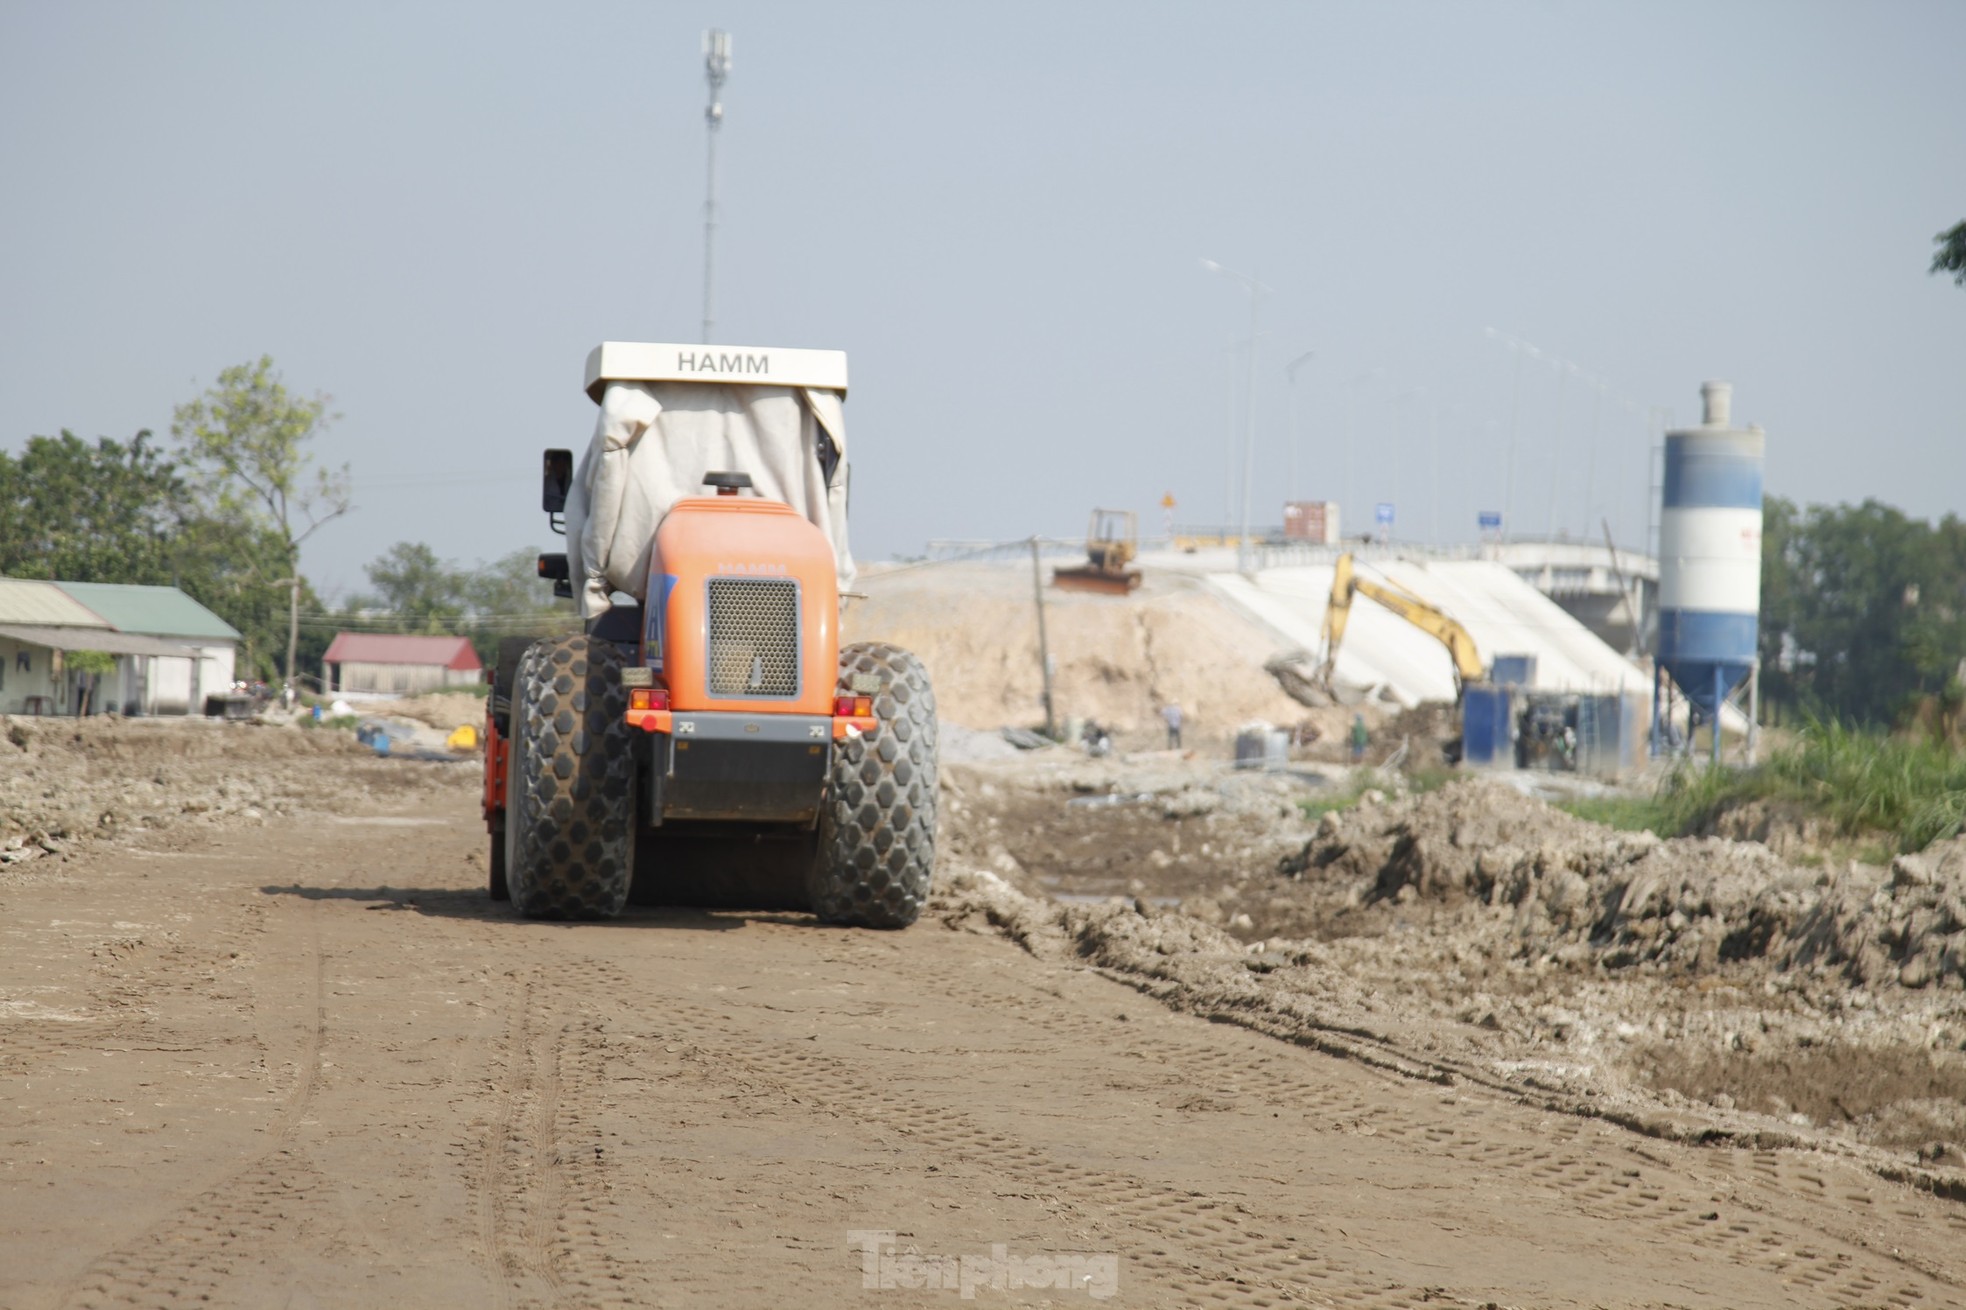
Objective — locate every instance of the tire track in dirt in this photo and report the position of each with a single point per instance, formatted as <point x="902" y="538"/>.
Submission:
<point x="491" y="1183"/>
<point x="539" y="1181"/>
<point x="1211" y="1252"/>
<point x="187" y="1255"/>
<point x="1764" y="1227"/>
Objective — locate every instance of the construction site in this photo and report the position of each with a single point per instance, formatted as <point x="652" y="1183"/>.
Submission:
<point x="1262" y="1018"/>
<point x="1288" y="794"/>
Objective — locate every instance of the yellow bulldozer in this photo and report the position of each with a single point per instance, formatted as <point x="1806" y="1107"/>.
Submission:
<point x="1112" y="540"/>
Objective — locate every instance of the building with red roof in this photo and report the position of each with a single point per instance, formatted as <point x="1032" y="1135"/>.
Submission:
<point x="395" y="664"/>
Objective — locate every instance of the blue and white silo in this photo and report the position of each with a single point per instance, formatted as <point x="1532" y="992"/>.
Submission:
<point x="1710" y="554"/>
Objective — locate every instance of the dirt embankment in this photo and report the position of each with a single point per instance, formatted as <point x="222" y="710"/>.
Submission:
<point x="1478" y="932"/>
<point x="65" y="783"/>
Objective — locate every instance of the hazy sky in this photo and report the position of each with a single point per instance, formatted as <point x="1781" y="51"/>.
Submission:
<point x="432" y="211"/>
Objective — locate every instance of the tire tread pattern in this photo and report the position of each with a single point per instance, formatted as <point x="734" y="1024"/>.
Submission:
<point x="570" y="804"/>
<point x="877" y="827"/>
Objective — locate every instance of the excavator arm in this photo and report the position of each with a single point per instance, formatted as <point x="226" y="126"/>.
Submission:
<point x="1345" y="583"/>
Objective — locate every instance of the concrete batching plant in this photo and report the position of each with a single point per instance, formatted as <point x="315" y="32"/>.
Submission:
<point x="1709" y="560"/>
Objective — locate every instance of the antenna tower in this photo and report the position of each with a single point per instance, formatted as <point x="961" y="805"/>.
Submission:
<point x="716" y="67"/>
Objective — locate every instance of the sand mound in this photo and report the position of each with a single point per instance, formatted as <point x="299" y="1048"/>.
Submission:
<point x="1116" y="659"/>
<point x="437" y="709"/>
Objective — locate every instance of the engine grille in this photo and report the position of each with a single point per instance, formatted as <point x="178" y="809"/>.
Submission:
<point x="754" y="638"/>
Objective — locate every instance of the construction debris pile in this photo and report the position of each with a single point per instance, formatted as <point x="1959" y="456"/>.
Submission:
<point x="1687" y="987"/>
<point x="1574" y="892"/>
<point x="64" y="782"/>
<point x="1161" y="829"/>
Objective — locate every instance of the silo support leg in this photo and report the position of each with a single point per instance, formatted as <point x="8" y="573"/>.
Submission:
<point x="1719" y="704"/>
<point x="1754" y="707"/>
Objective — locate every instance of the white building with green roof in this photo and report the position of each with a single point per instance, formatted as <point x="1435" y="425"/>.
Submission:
<point x="170" y="652"/>
<point x="39" y="623"/>
<point x="173" y="681"/>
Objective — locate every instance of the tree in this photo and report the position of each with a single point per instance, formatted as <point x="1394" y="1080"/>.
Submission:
<point x="418" y="592"/>
<point x="507" y="598"/>
<point x="230" y="566"/>
<point x="1863" y="609"/>
<point x="92" y="665"/>
<point x="1951" y="256"/>
<point x="1782" y="659"/>
<point x="248" y="437"/>
<point x="422" y="593"/>
<point x="112" y="511"/>
<point x="75" y="512"/>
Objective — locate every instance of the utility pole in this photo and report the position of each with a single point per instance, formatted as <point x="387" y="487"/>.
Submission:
<point x="716" y="67"/>
<point x="1044" y="646"/>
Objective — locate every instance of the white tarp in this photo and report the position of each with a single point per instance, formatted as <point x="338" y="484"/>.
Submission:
<point x="654" y="442"/>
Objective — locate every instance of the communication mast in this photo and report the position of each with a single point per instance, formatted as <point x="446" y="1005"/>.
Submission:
<point x="716" y="67"/>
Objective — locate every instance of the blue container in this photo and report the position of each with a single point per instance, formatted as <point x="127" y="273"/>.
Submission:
<point x="1710" y="554"/>
<point x="1513" y="671"/>
<point x="1610" y="733"/>
<point x="1487" y="740"/>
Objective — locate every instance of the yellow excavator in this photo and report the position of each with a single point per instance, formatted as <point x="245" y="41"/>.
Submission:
<point x="1460" y="644"/>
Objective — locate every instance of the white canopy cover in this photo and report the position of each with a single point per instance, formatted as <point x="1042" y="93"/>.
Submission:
<point x="671" y="414"/>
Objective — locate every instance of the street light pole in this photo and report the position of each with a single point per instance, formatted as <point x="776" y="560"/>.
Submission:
<point x="1564" y="368"/>
<point x="1290" y="377"/>
<point x="1399" y="460"/>
<point x="1518" y="348"/>
<point x="1243" y="557"/>
<point x="1599" y="386"/>
<point x="1351" y="431"/>
<point x="1256" y="290"/>
<point x="1229" y="465"/>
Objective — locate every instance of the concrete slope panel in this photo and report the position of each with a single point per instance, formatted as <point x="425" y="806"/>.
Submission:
<point x="1504" y="614"/>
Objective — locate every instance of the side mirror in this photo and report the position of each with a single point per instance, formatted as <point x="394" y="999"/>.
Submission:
<point x="559" y="476"/>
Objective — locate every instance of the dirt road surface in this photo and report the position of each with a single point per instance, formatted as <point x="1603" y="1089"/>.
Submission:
<point x="308" y="1064"/>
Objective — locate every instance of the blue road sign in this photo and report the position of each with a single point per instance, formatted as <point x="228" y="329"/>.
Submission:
<point x="1489" y="520"/>
<point x="1384" y="512"/>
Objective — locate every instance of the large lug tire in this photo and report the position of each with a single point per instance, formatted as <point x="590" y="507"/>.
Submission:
<point x="505" y="673"/>
<point x="570" y="797"/>
<point x="877" y="827"/>
<point x="497" y="887"/>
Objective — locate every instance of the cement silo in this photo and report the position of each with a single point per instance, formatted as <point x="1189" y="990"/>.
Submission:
<point x="1710" y="556"/>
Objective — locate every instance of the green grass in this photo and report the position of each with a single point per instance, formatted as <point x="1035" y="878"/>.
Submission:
<point x="1625" y="813"/>
<point x="1913" y="788"/>
<point x="1417" y="783"/>
<point x="1421" y="781"/>
<point x="1901" y="792"/>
